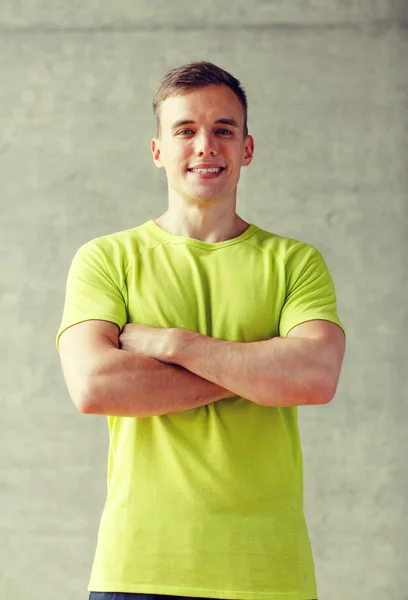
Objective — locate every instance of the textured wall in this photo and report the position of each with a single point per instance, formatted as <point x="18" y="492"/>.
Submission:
<point x="327" y="84"/>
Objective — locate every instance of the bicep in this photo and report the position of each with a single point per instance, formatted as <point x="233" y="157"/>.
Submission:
<point x="82" y="347"/>
<point x="331" y="336"/>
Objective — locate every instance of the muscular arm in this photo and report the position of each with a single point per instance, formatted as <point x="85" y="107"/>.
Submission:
<point x="104" y="380"/>
<point x="130" y="385"/>
<point x="302" y="368"/>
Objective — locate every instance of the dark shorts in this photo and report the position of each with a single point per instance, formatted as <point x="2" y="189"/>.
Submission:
<point x="123" y="596"/>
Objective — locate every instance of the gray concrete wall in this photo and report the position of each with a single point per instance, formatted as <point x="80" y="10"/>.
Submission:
<point x="328" y="90"/>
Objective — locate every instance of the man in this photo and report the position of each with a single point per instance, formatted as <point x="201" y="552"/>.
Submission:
<point x="198" y="335"/>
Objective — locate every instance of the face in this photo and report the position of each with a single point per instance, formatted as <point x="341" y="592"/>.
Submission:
<point x="202" y="141"/>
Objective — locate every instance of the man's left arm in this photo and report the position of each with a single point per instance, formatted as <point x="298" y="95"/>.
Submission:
<point x="302" y="368"/>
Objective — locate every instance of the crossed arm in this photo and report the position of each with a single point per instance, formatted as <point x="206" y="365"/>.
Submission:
<point x="302" y="368"/>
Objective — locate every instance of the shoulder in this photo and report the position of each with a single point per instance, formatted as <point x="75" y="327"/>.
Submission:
<point x="285" y="248"/>
<point x="114" y="249"/>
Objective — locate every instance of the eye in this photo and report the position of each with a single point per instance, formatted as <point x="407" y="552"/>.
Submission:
<point x="183" y="130"/>
<point x="223" y="132"/>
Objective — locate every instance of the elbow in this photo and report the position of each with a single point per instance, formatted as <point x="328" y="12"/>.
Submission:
<point x="84" y="406"/>
<point x="315" y="395"/>
<point x="299" y="396"/>
<point x="322" y="387"/>
<point x="328" y="378"/>
<point x="86" y="401"/>
<point x="319" y="393"/>
<point x="327" y="391"/>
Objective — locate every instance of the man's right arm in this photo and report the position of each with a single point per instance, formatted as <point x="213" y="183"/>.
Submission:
<point x="104" y="380"/>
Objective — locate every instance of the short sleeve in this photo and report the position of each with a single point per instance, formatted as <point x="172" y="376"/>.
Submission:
<point x="310" y="292"/>
<point x="94" y="288"/>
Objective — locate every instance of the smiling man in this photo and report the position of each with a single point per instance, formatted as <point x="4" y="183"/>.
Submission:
<point x="203" y="157"/>
<point x="198" y="335"/>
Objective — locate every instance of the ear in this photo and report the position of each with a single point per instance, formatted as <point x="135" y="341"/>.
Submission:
<point x="156" y="151"/>
<point x="249" y="151"/>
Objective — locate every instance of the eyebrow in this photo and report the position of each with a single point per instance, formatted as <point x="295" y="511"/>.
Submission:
<point x="223" y="121"/>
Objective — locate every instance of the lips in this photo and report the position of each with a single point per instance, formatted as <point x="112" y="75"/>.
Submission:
<point x="205" y="174"/>
<point x="206" y="168"/>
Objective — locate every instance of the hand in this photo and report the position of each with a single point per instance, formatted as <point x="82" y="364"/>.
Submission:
<point x="154" y="342"/>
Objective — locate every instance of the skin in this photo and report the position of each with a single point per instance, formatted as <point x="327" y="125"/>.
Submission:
<point x="206" y="210"/>
<point x="202" y="209"/>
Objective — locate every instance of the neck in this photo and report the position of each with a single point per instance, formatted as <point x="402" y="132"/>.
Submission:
<point x="201" y="227"/>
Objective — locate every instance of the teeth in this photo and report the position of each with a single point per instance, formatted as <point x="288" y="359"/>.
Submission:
<point x="206" y="170"/>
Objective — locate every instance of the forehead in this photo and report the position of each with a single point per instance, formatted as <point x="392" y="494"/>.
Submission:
<point x="210" y="102"/>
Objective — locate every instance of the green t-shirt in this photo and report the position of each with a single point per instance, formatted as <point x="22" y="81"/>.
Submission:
<point x="207" y="502"/>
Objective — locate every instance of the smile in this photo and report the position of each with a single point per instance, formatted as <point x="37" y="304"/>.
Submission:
<point x="207" y="173"/>
<point x="214" y="170"/>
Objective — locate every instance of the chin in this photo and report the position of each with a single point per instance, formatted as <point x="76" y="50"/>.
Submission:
<point x="207" y="193"/>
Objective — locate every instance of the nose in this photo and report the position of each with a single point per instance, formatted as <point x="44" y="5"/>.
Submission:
<point x="205" y="145"/>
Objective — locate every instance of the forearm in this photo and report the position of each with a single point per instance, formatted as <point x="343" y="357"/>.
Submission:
<point x="132" y="385"/>
<point x="276" y="372"/>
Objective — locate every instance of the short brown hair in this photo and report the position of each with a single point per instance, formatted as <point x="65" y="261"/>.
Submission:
<point x="195" y="75"/>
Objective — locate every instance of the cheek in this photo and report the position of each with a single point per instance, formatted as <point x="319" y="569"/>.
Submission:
<point x="179" y="159"/>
